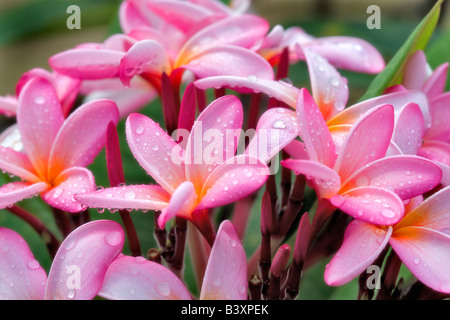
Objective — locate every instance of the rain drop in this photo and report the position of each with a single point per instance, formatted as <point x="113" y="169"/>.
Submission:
<point x="279" y="124"/>
<point x="140" y="130"/>
<point x="39" y="100"/>
<point x="388" y="213"/>
<point x="113" y="238"/>
<point x="163" y="289"/>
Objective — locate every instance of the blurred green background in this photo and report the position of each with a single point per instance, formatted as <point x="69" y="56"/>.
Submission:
<point x="33" y="30"/>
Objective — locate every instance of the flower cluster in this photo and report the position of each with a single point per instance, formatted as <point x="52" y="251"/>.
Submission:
<point x="366" y="184"/>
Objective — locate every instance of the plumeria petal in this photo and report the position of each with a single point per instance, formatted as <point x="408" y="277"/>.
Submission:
<point x="183" y="15"/>
<point x="146" y="56"/>
<point x="87" y="63"/>
<point x="353" y="113"/>
<point x="8" y="106"/>
<point x="368" y="140"/>
<point x="17" y="163"/>
<point x="409" y="129"/>
<point x="363" y="242"/>
<point x="140" y="197"/>
<point x="435" y="84"/>
<point x="407" y="176"/>
<point x="70" y="182"/>
<point x="213" y="139"/>
<point x="39" y="118"/>
<point x="280" y="90"/>
<point x="13" y="192"/>
<point x="243" y="31"/>
<point x="223" y="60"/>
<point x="155" y="151"/>
<point x="440" y="112"/>
<point x="235" y="179"/>
<point x="22" y="276"/>
<point x="314" y="131"/>
<point x="324" y="179"/>
<point x="82" y="260"/>
<point x="135" y="278"/>
<point x="276" y="128"/>
<point x="433" y="213"/>
<point x="416" y="71"/>
<point x="329" y="88"/>
<point x="349" y="53"/>
<point x="371" y="204"/>
<point x="82" y="135"/>
<point x="182" y="203"/>
<point x="436" y="151"/>
<point x="426" y="253"/>
<point x="226" y="272"/>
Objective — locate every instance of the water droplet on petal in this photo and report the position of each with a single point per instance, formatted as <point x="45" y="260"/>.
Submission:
<point x="163" y="289"/>
<point x="155" y="147"/>
<point x="388" y="213"/>
<point x="334" y="81"/>
<point x="33" y="264"/>
<point x="113" y="238"/>
<point x="279" y="124"/>
<point x="130" y="195"/>
<point x="140" y="130"/>
<point x="58" y="192"/>
<point x="39" y="100"/>
<point x="217" y="282"/>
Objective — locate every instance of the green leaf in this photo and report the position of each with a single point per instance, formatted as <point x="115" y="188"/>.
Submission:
<point x="417" y="40"/>
<point x="437" y="52"/>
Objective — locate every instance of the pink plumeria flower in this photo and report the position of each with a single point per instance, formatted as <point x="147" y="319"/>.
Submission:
<point x="225" y="278"/>
<point x="77" y="270"/>
<point x="421" y="240"/>
<point x="358" y="178"/>
<point x="56" y="151"/>
<point x="435" y="139"/>
<point x="204" y="174"/>
<point x="66" y="88"/>
<point x="220" y="48"/>
<point x="344" y="52"/>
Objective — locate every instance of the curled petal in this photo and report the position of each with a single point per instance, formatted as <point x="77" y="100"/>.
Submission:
<point x="371" y="204"/>
<point x="280" y="90"/>
<point x="407" y="176"/>
<point x="235" y="179"/>
<point x="140" y="197"/>
<point x="229" y="60"/>
<point x="182" y="203"/>
<point x="324" y="179"/>
<point x="226" y="272"/>
<point x="135" y="278"/>
<point x="426" y="253"/>
<point x="22" y="276"/>
<point x="8" y="106"/>
<point x="13" y="192"/>
<point x="363" y="243"/>
<point x="276" y="128"/>
<point x="86" y="63"/>
<point x="82" y="260"/>
<point x="155" y="151"/>
<point x="146" y="56"/>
